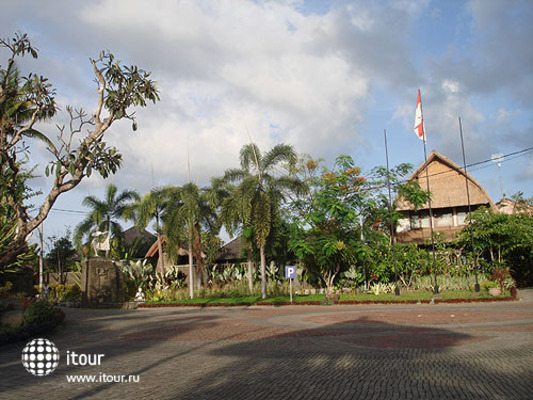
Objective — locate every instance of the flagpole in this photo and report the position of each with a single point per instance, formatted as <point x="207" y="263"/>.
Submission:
<point x="396" y="288"/>
<point x="419" y="104"/>
<point x="436" y="291"/>
<point x="476" y="286"/>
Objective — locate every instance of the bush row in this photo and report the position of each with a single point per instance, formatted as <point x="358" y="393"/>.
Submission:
<point x="38" y="318"/>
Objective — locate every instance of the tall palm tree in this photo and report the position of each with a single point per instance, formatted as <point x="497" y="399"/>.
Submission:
<point x="105" y="213"/>
<point x="235" y="215"/>
<point x="190" y="212"/>
<point x="260" y="190"/>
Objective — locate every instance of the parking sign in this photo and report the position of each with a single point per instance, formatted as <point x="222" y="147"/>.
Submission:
<point x="290" y="272"/>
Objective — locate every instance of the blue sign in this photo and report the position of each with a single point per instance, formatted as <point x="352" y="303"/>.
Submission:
<point x="290" y="272"/>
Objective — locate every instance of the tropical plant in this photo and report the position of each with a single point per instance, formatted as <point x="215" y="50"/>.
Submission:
<point x="449" y="283"/>
<point x="259" y="193"/>
<point x="501" y="239"/>
<point x="191" y="212"/>
<point x="325" y="238"/>
<point x="235" y="215"/>
<point x="104" y="215"/>
<point x="61" y="254"/>
<point x="12" y="257"/>
<point x="41" y="312"/>
<point x="379" y="288"/>
<point x="352" y="277"/>
<point x="501" y="274"/>
<point x="24" y="102"/>
<point x="139" y="273"/>
<point x="150" y="206"/>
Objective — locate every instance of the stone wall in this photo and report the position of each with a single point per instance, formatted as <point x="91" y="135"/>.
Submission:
<point x="102" y="284"/>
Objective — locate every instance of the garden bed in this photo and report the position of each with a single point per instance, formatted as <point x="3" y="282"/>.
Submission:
<point x="362" y="299"/>
<point x="38" y="318"/>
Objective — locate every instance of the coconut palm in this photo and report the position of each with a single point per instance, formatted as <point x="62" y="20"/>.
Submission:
<point x="190" y="211"/>
<point x="105" y="213"/>
<point x="261" y="189"/>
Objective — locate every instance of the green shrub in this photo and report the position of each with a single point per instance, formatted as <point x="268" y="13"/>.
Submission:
<point x="448" y="283"/>
<point x="37" y="319"/>
<point x="488" y="284"/>
<point x="4" y="290"/>
<point x="63" y="293"/>
<point x="41" y="313"/>
<point x="233" y="289"/>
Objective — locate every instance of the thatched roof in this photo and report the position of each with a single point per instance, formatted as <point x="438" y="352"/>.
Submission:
<point x="231" y="251"/>
<point x="137" y="240"/>
<point x="508" y="206"/>
<point x="182" y="251"/>
<point x="447" y="185"/>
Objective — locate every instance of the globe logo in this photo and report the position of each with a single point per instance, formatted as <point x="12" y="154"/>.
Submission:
<point x="40" y="357"/>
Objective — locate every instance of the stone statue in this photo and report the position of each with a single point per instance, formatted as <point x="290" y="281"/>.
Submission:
<point x="140" y="295"/>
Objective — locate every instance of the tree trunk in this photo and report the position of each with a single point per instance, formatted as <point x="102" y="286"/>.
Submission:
<point x="161" y="260"/>
<point x="191" y="272"/>
<point x="263" y="272"/>
<point x="330" y="279"/>
<point x="250" y="271"/>
<point x="108" y="236"/>
<point x="198" y="247"/>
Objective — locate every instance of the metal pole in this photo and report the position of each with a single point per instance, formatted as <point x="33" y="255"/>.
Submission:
<point x="476" y="286"/>
<point x="436" y="291"/>
<point x="396" y="288"/>
<point x="500" y="174"/>
<point x="290" y="284"/>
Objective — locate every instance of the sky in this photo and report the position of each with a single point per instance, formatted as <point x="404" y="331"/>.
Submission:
<point x="327" y="77"/>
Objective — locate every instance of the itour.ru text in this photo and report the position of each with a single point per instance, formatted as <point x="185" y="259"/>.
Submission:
<point x="74" y="358"/>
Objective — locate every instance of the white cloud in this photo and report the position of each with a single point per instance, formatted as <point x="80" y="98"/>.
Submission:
<point x="323" y="81"/>
<point x="229" y="66"/>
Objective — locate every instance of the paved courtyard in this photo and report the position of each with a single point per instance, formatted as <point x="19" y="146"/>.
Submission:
<point x="460" y="351"/>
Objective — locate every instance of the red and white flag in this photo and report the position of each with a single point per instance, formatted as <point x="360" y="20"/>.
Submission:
<point x="419" y="120"/>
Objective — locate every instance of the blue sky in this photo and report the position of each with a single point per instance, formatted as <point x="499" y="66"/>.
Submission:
<point x="326" y="77"/>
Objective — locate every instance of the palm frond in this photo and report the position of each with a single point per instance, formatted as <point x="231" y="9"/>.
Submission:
<point x="261" y="217"/>
<point x="281" y="153"/>
<point x="250" y="156"/>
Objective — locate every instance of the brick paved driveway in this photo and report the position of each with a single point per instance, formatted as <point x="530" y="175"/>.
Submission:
<point x="469" y="351"/>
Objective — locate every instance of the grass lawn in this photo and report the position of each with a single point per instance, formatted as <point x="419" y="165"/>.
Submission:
<point x="246" y="300"/>
<point x="410" y="295"/>
<point x="405" y="296"/>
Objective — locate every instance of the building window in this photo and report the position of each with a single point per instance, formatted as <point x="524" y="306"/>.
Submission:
<point x="443" y="219"/>
<point x="424" y="220"/>
<point x="461" y="217"/>
<point x="420" y="220"/>
<point x="415" y="221"/>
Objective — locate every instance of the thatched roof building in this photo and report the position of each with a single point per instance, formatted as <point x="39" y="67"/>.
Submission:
<point x="182" y="257"/>
<point x="231" y="252"/>
<point x="137" y="242"/>
<point x="449" y="201"/>
<point x="508" y="206"/>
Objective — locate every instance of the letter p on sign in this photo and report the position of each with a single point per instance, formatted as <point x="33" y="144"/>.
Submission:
<point x="290" y="272"/>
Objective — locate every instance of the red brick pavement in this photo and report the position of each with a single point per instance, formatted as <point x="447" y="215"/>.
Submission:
<point x="409" y="327"/>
